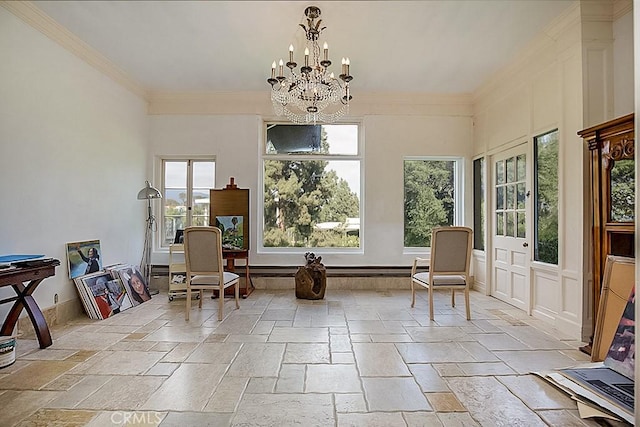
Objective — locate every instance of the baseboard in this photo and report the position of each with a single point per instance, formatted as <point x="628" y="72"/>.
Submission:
<point x="354" y="283"/>
<point x="282" y="277"/>
<point x="56" y="315"/>
<point x="161" y="272"/>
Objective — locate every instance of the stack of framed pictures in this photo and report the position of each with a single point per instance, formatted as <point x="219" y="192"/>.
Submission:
<point x="607" y="388"/>
<point x="112" y="290"/>
<point x="611" y="386"/>
<point x="106" y="291"/>
<point x="102" y="296"/>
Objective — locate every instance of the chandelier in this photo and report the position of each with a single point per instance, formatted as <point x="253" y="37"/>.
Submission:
<point x="312" y="94"/>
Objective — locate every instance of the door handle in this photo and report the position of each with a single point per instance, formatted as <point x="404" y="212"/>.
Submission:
<point x="525" y="245"/>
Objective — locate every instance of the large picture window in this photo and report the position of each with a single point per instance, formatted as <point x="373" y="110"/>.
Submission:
<point x="311" y="186"/>
<point x="546" y="192"/>
<point x="431" y="197"/>
<point x="185" y="195"/>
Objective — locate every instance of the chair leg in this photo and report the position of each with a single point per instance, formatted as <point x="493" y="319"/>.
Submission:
<point x="220" y="300"/>
<point x="466" y="302"/>
<point x="201" y="298"/>
<point x="413" y="295"/>
<point x="237" y="292"/>
<point x="186" y="314"/>
<point x="453" y="298"/>
<point x="430" y="302"/>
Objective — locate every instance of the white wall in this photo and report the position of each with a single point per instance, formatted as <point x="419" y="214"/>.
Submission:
<point x="236" y="143"/>
<point x="623" y="65"/>
<point x="73" y="151"/>
<point x="564" y="81"/>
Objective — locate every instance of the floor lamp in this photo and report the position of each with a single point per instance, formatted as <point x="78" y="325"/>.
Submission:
<point x="148" y="193"/>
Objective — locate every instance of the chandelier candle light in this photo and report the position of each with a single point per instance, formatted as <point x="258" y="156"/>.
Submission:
<point x="312" y="94"/>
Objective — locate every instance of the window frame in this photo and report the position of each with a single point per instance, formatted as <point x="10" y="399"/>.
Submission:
<point x="458" y="198"/>
<point x="310" y="156"/>
<point x="162" y="160"/>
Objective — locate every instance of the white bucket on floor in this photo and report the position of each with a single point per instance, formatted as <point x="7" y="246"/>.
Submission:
<point x="7" y="351"/>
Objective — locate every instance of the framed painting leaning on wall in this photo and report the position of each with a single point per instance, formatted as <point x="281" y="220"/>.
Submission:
<point x="83" y="258"/>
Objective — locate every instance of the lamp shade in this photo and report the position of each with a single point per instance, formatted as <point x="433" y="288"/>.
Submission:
<point x="149" y="192"/>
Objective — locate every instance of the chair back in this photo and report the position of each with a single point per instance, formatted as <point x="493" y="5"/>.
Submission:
<point x="203" y="250"/>
<point x="450" y="251"/>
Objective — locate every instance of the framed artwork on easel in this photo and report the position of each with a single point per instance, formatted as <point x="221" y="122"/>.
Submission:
<point x="232" y="231"/>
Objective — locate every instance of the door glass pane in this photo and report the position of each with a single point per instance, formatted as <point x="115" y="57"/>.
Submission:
<point x="203" y="181"/>
<point x="520" y="195"/>
<point x="511" y="169"/>
<point x="500" y="172"/>
<point x="174" y="198"/>
<point x="500" y="223"/>
<point x="499" y="197"/>
<point x="511" y="196"/>
<point x="510" y="231"/>
<point x="203" y="175"/>
<point x="175" y="174"/>
<point x="522" y="229"/>
<point x="521" y="167"/>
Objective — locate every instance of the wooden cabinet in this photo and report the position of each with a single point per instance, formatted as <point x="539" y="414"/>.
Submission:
<point x="612" y="175"/>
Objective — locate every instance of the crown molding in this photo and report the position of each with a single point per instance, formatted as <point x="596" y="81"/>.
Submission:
<point x="621" y="8"/>
<point x="29" y="13"/>
<point x="259" y="103"/>
<point x="598" y="10"/>
<point x="165" y="102"/>
<point x="411" y="104"/>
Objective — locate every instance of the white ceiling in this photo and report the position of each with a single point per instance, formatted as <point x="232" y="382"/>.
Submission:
<point x="449" y="46"/>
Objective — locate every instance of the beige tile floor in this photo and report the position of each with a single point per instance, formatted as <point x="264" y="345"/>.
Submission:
<point x="356" y="358"/>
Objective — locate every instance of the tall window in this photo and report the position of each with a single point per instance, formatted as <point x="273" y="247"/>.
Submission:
<point x="431" y="197"/>
<point x="311" y="184"/>
<point x="546" y="193"/>
<point x="478" y="204"/>
<point x="185" y="194"/>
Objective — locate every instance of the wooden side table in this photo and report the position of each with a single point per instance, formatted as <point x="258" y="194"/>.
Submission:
<point x="16" y="277"/>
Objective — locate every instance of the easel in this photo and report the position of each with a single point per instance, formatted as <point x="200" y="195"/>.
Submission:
<point x="234" y="201"/>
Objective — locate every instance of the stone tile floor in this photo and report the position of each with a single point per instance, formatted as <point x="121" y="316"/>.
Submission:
<point x="356" y="358"/>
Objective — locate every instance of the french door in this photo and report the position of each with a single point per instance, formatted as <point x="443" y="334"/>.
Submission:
<point x="510" y="183"/>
